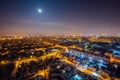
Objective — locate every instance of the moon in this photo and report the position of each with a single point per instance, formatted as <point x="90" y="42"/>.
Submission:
<point x="40" y="10"/>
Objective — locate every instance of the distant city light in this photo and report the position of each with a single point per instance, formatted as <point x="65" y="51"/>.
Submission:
<point x="95" y="74"/>
<point x="82" y="56"/>
<point x="101" y="61"/>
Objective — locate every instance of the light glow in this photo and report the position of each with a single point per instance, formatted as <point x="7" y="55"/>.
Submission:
<point x="40" y="10"/>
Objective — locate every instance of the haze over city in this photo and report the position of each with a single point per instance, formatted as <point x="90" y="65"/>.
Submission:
<point x="66" y="17"/>
<point x="59" y="40"/>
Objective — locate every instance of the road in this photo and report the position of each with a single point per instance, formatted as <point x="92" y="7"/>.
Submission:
<point x="102" y="75"/>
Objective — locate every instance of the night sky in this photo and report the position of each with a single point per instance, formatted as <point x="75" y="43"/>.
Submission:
<point x="60" y="17"/>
